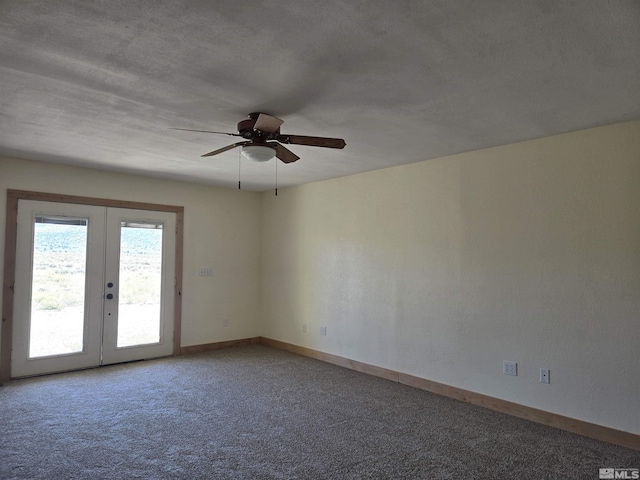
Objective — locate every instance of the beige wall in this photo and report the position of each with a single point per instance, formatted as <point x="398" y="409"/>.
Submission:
<point x="443" y="269"/>
<point x="221" y="230"/>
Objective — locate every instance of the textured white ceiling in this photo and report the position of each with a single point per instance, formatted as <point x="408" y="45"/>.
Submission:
<point x="98" y="83"/>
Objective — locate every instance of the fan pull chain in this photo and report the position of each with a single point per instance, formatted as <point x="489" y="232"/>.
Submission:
<point x="276" y="177"/>
<point x="239" y="161"/>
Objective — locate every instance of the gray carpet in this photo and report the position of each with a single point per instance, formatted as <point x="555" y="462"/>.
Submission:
<point x="256" y="412"/>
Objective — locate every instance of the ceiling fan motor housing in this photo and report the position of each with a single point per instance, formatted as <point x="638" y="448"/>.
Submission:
<point x="245" y="127"/>
<point x="265" y="131"/>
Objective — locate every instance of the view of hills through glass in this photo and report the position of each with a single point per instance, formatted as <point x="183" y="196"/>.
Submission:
<point x="59" y="278"/>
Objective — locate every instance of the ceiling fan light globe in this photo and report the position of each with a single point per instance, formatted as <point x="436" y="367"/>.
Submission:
<point x="258" y="153"/>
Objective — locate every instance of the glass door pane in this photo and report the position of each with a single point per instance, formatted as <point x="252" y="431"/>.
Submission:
<point x="140" y="283"/>
<point x="58" y="299"/>
<point x="58" y="286"/>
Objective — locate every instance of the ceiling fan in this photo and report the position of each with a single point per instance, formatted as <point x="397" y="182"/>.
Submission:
<point x="263" y="139"/>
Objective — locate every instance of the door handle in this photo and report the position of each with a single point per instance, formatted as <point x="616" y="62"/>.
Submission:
<point x="109" y="296"/>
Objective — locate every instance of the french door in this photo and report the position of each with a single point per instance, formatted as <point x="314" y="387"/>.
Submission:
<point x="93" y="286"/>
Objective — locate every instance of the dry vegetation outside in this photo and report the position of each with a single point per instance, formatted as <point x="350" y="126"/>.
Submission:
<point x="58" y="288"/>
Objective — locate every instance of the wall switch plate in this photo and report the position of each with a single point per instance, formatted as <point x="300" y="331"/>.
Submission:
<point x="304" y="328"/>
<point x="225" y="322"/>
<point x="205" y="272"/>
<point x="510" y="368"/>
<point x="323" y="330"/>
<point x="544" y="375"/>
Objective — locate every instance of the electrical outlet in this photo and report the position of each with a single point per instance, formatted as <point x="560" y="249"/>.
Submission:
<point x="510" y="368"/>
<point x="544" y="375"/>
<point x="225" y="322"/>
<point x="323" y="330"/>
<point x="304" y="328"/>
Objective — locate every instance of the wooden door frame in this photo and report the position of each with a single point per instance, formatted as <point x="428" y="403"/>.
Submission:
<point x="13" y="196"/>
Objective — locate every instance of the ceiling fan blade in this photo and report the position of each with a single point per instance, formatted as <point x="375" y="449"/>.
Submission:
<point x="284" y="154"/>
<point x="312" y="141"/>
<point x="223" y="149"/>
<point x="205" y="131"/>
<point x="268" y="123"/>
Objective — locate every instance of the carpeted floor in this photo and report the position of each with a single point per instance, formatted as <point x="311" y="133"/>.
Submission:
<point x="260" y="413"/>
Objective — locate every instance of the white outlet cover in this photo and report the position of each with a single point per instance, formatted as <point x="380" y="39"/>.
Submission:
<point x="545" y="375"/>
